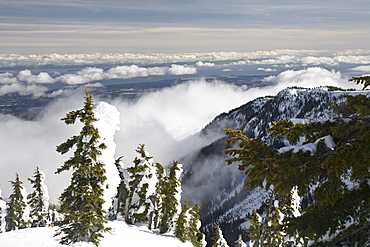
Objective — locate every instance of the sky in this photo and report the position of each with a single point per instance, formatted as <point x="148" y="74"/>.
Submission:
<point x="172" y="26"/>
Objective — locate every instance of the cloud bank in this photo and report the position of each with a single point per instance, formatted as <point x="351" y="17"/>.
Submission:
<point x="279" y="56"/>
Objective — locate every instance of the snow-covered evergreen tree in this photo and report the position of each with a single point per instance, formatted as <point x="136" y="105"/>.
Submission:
<point x="218" y="238"/>
<point x="171" y="206"/>
<point x="182" y="226"/>
<point x="195" y="235"/>
<point x="16" y="208"/>
<point x="239" y="242"/>
<point x="157" y="198"/>
<point x="82" y="201"/>
<point x="2" y="214"/>
<point x="119" y="201"/>
<point x="141" y="186"/>
<point x="38" y="200"/>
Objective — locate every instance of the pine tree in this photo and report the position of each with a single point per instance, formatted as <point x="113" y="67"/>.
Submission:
<point x="218" y="239"/>
<point x="195" y="235"/>
<point x="2" y="214"/>
<point x="335" y="175"/>
<point x="16" y="211"/>
<point x="157" y="198"/>
<point x="181" y="227"/>
<point x="119" y="201"/>
<point x="38" y="200"/>
<point x="172" y="196"/>
<point x="81" y="202"/>
<point x="141" y="186"/>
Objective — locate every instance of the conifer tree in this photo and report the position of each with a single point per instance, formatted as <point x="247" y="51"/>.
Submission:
<point x="172" y="196"/>
<point x="119" y="201"/>
<point x="141" y="186"/>
<point x="195" y="235"/>
<point x="335" y="175"/>
<point x="81" y="202"/>
<point x="218" y="239"/>
<point x="16" y="211"/>
<point x="157" y="198"/>
<point x="2" y="214"/>
<point x="239" y="242"/>
<point x="181" y="227"/>
<point x="38" y="200"/>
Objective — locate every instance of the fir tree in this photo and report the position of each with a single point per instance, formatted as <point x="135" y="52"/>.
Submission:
<point x="157" y="198"/>
<point x="16" y="211"/>
<point x="335" y="175"/>
<point x="118" y="203"/>
<point x="141" y="186"/>
<point x="172" y="196"/>
<point x="81" y="202"/>
<point x="2" y="214"/>
<point x="38" y="200"/>
<point x="181" y="226"/>
<point x="195" y="235"/>
<point x="218" y="239"/>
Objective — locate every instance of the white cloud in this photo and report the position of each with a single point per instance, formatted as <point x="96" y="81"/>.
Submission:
<point x="364" y="68"/>
<point x="90" y="74"/>
<point x="6" y="78"/>
<point x="204" y="64"/>
<point x="157" y="58"/>
<point x="23" y="89"/>
<point x="27" y="76"/>
<point x="266" y="69"/>
<point x="308" y="78"/>
<point x="181" y="70"/>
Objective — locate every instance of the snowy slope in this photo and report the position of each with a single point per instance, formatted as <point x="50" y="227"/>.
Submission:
<point x="121" y="235"/>
<point x="219" y="187"/>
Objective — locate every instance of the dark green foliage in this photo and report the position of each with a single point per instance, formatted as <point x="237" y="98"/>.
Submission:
<point x="195" y="235"/>
<point x="362" y="80"/>
<point x="137" y="201"/>
<point x="181" y="228"/>
<point x="170" y="190"/>
<point x="336" y="178"/>
<point x="81" y="202"/>
<point x="39" y="214"/>
<point x="15" y="218"/>
<point x="218" y="238"/>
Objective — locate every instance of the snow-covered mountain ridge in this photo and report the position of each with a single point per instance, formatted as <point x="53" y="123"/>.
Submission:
<point x="218" y="187"/>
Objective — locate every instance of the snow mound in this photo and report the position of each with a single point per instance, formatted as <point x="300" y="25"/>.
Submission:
<point x="121" y="234"/>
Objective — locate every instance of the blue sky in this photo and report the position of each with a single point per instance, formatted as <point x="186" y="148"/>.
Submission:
<point x="172" y="26"/>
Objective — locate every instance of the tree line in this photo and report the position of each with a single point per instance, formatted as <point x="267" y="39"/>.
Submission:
<point x="24" y="210"/>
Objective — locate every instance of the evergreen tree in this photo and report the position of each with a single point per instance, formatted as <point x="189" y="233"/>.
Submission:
<point x="181" y="227"/>
<point x="335" y="175"/>
<point x="119" y="201"/>
<point x="239" y="242"/>
<point x="16" y="211"/>
<point x="195" y="235"/>
<point x="141" y="186"/>
<point x="218" y="239"/>
<point x="172" y="196"/>
<point x="38" y="200"/>
<point x="2" y="214"/>
<point x="157" y="198"/>
<point x="81" y="202"/>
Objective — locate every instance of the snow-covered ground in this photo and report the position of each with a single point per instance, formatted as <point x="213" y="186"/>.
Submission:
<point x="121" y="234"/>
